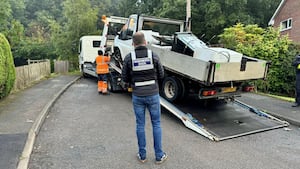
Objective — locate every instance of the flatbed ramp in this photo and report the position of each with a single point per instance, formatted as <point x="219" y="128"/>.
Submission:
<point x="223" y="120"/>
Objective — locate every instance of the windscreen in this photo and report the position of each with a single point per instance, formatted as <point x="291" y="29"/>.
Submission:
<point x="113" y="28"/>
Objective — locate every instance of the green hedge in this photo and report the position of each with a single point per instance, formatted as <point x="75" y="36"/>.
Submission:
<point x="7" y="68"/>
<point x="266" y="44"/>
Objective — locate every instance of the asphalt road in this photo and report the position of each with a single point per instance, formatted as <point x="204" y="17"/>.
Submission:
<point x="85" y="130"/>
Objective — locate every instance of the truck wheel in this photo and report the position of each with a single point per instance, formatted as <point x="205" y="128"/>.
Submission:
<point x="184" y="92"/>
<point x="110" y="84"/>
<point x="83" y="74"/>
<point x="171" y="89"/>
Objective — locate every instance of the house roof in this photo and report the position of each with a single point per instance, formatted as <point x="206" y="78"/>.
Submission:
<point x="271" y="22"/>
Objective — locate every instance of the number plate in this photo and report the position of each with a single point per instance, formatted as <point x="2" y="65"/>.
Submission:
<point x="228" y="89"/>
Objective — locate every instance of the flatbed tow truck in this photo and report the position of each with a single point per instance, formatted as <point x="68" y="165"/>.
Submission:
<point x="219" y="80"/>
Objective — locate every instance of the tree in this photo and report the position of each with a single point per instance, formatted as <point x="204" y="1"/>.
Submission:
<point x="7" y="68"/>
<point x="18" y="8"/>
<point x="174" y="9"/>
<point x="5" y="15"/>
<point x="261" y="10"/>
<point x="80" y="19"/>
<point x="127" y="7"/>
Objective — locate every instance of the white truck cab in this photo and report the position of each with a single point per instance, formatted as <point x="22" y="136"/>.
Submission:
<point x="88" y="50"/>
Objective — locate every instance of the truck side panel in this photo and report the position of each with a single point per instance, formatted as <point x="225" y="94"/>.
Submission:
<point x="199" y="69"/>
<point x="231" y="71"/>
<point x="184" y="64"/>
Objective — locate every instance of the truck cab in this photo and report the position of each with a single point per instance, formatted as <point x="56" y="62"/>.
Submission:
<point x="88" y="50"/>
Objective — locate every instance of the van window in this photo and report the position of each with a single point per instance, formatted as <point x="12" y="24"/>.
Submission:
<point x="96" y="43"/>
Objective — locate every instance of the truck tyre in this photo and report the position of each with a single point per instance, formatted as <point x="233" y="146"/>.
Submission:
<point x="110" y="84"/>
<point x="84" y="75"/>
<point x="172" y="89"/>
<point x="184" y="92"/>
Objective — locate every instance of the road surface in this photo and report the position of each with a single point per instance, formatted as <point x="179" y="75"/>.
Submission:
<point x="85" y="130"/>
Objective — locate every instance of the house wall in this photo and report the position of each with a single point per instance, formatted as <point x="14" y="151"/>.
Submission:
<point x="290" y="9"/>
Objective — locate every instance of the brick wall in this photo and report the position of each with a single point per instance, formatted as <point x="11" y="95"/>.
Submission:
<point x="290" y="9"/>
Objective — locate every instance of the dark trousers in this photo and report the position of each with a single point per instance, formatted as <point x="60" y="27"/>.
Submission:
<point x="298" y="88"/>
<point x="102" y="77"/>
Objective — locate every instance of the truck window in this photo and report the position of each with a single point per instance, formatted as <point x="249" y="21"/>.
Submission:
<point x="161" y="28"/>
<point x="131" y="24"/>
<point x="113" y="29"/>
<point x="128" y="29"/>
<point x="96" y="43"/>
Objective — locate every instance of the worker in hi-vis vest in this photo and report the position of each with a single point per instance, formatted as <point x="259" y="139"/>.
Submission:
<point x="102" y="71"/>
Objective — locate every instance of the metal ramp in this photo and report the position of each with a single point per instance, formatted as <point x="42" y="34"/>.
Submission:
<point x="224" y="120"/>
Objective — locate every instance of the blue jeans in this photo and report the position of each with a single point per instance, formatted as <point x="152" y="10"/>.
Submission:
<point x="152" y="103"/>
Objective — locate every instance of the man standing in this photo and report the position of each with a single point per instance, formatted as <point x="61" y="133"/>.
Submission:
<point x="142" y="69"/>
<point x="296" y="64"/>
<point x="102" y="71"/>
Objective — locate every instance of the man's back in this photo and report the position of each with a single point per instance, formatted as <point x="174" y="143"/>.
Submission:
<point x="130" y="76"/>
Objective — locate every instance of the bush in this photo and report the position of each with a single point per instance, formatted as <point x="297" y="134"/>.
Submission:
<point x="7" y="67"/>
<point x="266" y="44"/>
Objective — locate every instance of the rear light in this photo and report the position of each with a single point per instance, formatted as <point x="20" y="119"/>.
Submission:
<point x="248" y="88"/>
<point x="209" y="92"/>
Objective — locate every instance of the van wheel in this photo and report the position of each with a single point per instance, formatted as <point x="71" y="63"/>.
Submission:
<point x="172" y="89"/>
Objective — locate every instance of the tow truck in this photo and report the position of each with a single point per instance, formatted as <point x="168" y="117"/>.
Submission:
<point x="214" y="75"/>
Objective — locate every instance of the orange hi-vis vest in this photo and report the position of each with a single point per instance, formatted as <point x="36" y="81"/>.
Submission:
<point x="102" y="64"/>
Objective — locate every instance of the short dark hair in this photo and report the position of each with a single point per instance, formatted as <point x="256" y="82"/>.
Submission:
<point x="138" y="38"/>
<point x="100" y="52"/>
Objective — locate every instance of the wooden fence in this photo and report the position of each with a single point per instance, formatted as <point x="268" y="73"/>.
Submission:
<point x="35" y="70"/>
<point x="61" y="66"/>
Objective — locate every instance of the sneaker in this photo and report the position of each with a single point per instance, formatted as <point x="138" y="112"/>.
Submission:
<point x="162" y="159"/>
<point x="295" y="105"/>
<point x="142" y="160"/>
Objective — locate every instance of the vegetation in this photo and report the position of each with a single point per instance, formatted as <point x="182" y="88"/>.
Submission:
<point x="43" y="29"/>
<point x="265" y="44"/>
<point x="38" y="29"/>
<point x="7" y="68"/>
